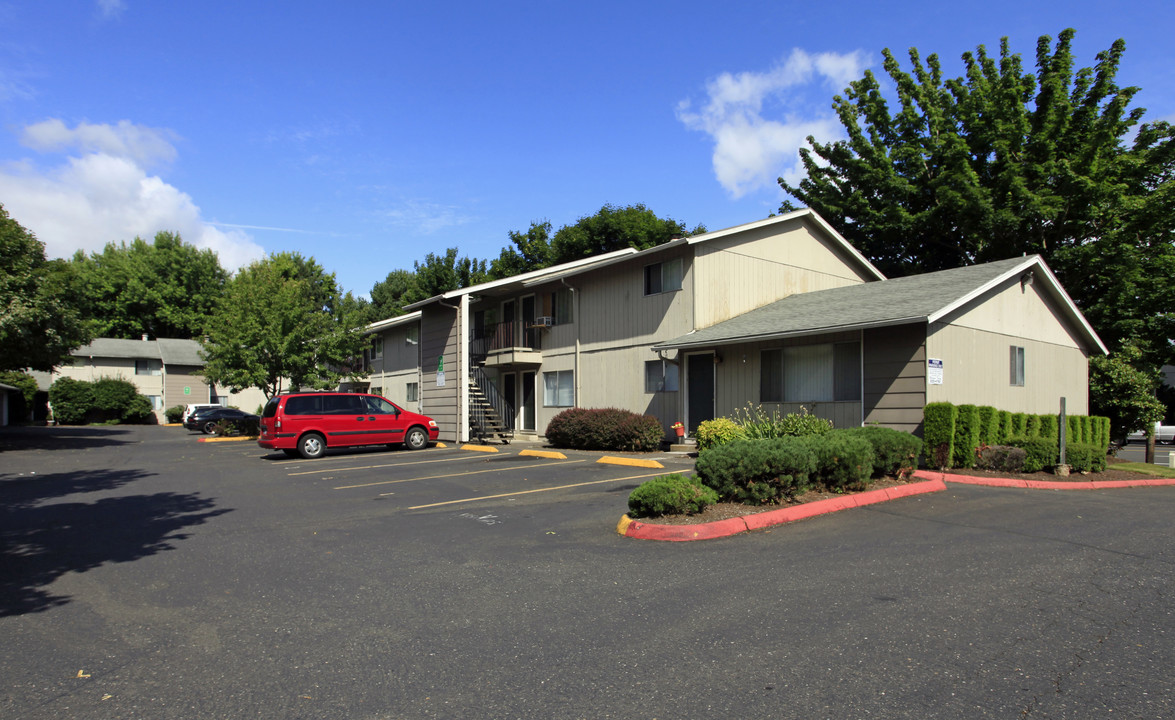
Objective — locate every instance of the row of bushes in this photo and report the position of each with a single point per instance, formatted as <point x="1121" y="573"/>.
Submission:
<point x="76" y="402"/>
<point x="954" y="433"/>
<point x="770" y="470"/>
<point x="754" y="423"/>
<point x="1033" y="454"/>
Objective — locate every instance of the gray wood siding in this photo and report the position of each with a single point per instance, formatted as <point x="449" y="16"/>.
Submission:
<point x="440" y="331"/>
<point x="737" y="382"/>
<point x="894" y="376"/>
<point x="178" y="377"/>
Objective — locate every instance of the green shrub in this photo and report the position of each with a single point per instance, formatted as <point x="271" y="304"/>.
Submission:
<point x="670" y="495"/>
<point x="605" y="429"/>
<point x="843" y="462"/>
<point x="139" y="411"/>
<point x="1032" y="426"/>
<point x="1005" y="426"/>
<point x="894" y="452"/>
<point x="1003" y="458"/>
<point x="1085" y="457"/>
<point x="1040" y="453"/>
<point x="112" y="397"/>
<point x="719" y="431"/>
<point x="1102" y="431"/>
<point x="232" y="428"/>
<point x="938" y="431"/>
<point x="758" y="471"/>
<point x="22" y="406"/>
<point x="989" y="425"/>
<point x="1019" y="425"/>
<point x="71" y="400"/>
<point x="1087" y="434"/>
<point x="174" y="414"/>
<point x="1073" y="432"/>
<point x="967" y="431"/>
<point x="758" y="424"/>
<point x="1049" y="428"/>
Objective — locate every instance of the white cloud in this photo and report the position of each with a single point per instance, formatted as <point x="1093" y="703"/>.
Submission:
<point x="104" y="194"/>
<point x="146" y="146"/>
<point x="426" y="217"/>
<point x="750" y="149"/>
<point x="111" y="8"/>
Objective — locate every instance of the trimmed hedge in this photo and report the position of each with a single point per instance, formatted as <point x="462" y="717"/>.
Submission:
<point x="967" y="433"/>
<point x="605" y="429"/>
<point x="175" y="414"/>
<point x="989" y="428"/>
<point x="670" y="495"/>
<point x="938" y="431"/>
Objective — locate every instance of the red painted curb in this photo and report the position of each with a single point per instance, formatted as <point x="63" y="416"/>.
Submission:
<point x="1044" y="484"/>
<point x="734" y="526"/>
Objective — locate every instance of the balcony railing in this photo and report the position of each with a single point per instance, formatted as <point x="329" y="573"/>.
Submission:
<point x="503" y="336"/>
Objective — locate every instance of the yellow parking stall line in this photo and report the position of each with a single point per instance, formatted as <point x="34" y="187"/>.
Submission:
<point x="374" y="467"/>
<point x="449" y="475"/>
<point x="528" y="492"/>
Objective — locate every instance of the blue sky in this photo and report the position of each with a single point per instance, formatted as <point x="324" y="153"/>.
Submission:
<point x="367" y="134"/>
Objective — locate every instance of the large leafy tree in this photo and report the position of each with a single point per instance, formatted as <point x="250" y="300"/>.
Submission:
<point x="283" y="320"/>
<point x="39" y="320"/>
<point x="164" y="288"/>
<point x="1001" y="162"/>
<point x="389" y="296"/>
<point x="612" y="228"/>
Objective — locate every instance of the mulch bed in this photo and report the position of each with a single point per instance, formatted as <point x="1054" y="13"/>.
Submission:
<point x="725" y="510"/>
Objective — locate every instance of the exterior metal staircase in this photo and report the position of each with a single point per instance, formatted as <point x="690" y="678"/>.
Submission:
<point x="490" y="414"/>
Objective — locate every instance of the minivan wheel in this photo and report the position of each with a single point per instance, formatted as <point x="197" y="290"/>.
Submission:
<point x="311" y="446"/>
<point x="416" y="439"/>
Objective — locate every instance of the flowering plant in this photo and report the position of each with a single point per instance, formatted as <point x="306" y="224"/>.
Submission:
<point x="678" y="426"/>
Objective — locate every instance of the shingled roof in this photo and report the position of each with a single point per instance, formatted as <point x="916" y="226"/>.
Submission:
<point x="916" y="298"/>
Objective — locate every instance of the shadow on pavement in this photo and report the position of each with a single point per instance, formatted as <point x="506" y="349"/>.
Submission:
<point x="56" y="437"/>
<point x="40" y="540"/>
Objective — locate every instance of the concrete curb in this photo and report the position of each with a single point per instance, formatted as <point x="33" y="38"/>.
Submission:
<point x="630" y="462"/>
<point x="733" y="526"/>
<point x="480" y="448"/>
<point x="1043" y="484"/>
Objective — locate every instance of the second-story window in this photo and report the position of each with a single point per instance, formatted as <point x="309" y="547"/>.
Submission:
<point x="663" y="277"/>
<point x="561" y="306"/>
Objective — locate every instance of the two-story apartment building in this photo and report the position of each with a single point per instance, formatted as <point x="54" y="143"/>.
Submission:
<point x="781" y="313"/>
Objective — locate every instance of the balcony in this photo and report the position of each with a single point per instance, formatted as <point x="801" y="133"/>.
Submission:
<point x="507" y="344"/>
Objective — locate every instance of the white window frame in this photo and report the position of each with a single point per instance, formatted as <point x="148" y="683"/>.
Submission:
<point x="661" y="376"/>
<point x="666" y="281"/>
<point x="412" y="392"/>
<point x="1016" y="365"/>
<point x="561" y="393"/>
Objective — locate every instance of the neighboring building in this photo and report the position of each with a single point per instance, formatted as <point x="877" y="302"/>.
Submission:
<point x="780" y="313"/>
<point x="164" y="370"/>
<point x="392" y="361"/>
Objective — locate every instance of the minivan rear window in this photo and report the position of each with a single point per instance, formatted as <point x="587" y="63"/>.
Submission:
<point x="270" y="407"/>
<point x="304" y="405"/>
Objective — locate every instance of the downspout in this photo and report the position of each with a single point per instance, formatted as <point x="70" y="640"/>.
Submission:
<point x="462" y="309"/>
<point x="577" y="321"/>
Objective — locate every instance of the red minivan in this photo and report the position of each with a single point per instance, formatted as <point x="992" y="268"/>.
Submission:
<point x="307" y="424"/>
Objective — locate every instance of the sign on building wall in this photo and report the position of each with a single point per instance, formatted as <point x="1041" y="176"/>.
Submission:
<point x="441" y="371"/>
<point x="934" y="371"/>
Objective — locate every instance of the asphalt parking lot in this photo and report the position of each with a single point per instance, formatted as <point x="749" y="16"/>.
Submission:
<point x="145" y="575"/>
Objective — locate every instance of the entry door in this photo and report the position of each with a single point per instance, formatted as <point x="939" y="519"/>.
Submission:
<point x="528" y="398"/>
<point x="529" y="331"/>
<point x="699" y="396"/>
<point x="510" y="392"/>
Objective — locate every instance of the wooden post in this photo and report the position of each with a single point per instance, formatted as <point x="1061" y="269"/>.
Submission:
<point x="1063" y="431"/>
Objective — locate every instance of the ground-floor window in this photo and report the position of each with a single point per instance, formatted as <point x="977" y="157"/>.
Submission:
<point x="156" y="401"/>
<point x="559" y="388"/>
<point x="661" y="376"/>
<point x="1017" y="366"/>
<point x="411" y="391"/>
<point x="828" y="372"/>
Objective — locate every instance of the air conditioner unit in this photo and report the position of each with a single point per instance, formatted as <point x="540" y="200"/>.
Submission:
<point x="544" y="321"/>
